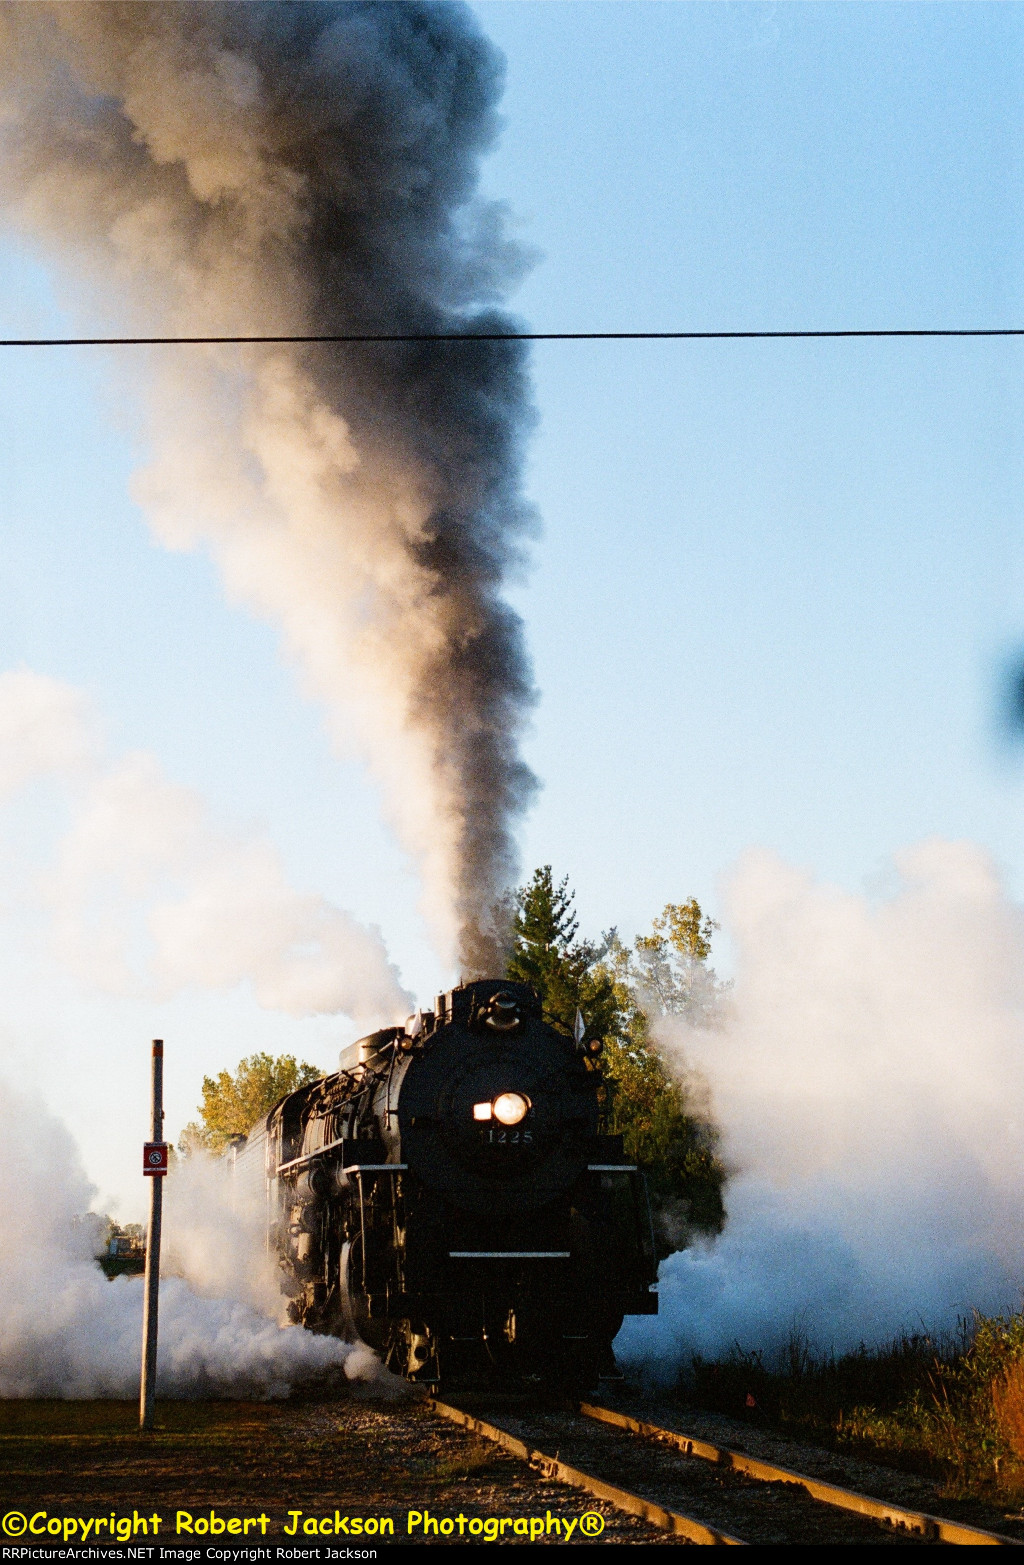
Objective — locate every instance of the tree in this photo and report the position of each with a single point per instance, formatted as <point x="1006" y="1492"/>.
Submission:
<point x="546" y="953"/>
<point x="232" y="1105"/>
<point x="664" y="1126"/>
<point x="671" y="965"/>
<point x="619" y="991"/>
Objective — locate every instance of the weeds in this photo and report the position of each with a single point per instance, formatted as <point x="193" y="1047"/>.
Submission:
<point x="475" y="1460"/>
<point x="949" y="1407"/>
<point x="1008" y="1407"/>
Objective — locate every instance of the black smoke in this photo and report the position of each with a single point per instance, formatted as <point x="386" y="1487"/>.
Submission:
<point x="313" y="168"/>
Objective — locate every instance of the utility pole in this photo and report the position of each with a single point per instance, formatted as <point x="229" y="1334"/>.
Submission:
<point x="154" y="1164"/>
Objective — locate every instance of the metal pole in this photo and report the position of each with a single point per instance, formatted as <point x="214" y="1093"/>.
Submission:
<point x="151" y="1304"/>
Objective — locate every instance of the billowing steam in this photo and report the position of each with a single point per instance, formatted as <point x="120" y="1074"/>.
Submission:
<point x="870" y="1082"/>
<point x="147" y="896"/>
<point x="66" y="1331"/>
<point x="266" y="168"/>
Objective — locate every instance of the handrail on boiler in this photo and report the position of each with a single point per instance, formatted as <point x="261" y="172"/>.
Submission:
<point x="300" y="1162"/>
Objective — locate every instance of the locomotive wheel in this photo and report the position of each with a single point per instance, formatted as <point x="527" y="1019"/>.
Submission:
<point x="355" y="1318"/>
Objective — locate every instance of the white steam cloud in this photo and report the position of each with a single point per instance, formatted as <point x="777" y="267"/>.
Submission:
<point x="65" y="1331"/>
<point x="870" y="1084"/>
<point x="46" y="727"/>
<point x="302" y="168"/>
<point x="148" y="896"/>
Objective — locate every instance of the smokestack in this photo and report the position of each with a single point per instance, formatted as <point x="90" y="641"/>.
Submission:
<point x="313" y="168"/>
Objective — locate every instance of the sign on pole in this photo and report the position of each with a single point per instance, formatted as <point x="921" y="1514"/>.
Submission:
<point x="154" y="1157"/>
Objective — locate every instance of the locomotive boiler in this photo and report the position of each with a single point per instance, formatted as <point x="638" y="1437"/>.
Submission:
<point x="452" y="1197"/>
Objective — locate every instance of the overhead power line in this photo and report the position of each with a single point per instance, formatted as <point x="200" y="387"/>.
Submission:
<point x="509" y="336"/>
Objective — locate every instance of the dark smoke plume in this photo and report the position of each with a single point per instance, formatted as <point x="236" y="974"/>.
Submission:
<point x="215" y="168"/>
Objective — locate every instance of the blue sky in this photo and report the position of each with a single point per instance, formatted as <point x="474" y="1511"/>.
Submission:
<point x="777" y="583"/>
<point x="778" y="580"/>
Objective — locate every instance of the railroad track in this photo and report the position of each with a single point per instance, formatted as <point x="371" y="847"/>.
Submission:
<point x="700" y="1492"/>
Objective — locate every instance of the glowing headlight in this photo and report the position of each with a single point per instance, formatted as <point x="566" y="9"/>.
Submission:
<point x="481" y="1111"/>
<point x="510" y="1107"/>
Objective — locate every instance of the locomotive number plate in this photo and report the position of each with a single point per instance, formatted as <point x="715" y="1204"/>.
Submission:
<point x="499" y="1136"/>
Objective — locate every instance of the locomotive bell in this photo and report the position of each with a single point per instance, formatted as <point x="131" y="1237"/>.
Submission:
<point x="502" y="1014"/>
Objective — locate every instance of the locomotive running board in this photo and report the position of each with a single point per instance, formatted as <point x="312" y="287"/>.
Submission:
<point x="509" y="1255"/>
<point x="551" y="1467"/>
<point x="296" y="1163"/>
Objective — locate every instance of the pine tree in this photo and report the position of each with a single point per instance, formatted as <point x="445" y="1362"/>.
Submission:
<point x="546" y="953"/>
<point x="618" y="991"/>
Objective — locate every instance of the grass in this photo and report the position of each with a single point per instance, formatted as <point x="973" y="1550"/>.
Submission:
<point x="949" y="1408"/>
<point x="51" y="1418"/>
<point x="476" y="1460"/>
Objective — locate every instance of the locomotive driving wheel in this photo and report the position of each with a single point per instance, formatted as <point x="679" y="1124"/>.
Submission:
<point x="354" y="1314"/>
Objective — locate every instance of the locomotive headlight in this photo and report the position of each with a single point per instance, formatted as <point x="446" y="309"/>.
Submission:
<point x="482" y="1111"/>
<point x="510" y="1107"/>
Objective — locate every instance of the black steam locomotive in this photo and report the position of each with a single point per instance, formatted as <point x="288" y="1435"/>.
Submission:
<point x="452" y="1197"/>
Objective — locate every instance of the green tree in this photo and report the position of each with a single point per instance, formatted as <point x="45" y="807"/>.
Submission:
<point x="671" y="965"/>
<point x="232" y="1104"/>
<point x="619" y="991"/>
<point x="546" y="953"/>
<point x="664" y="1124"/>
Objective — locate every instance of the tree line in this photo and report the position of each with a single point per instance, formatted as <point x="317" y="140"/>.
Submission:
<point x="622" y="992"/>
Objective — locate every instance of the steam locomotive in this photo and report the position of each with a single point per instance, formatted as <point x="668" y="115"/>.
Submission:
<point x="452" y="1197"/>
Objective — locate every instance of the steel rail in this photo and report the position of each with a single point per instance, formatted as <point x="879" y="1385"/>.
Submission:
<point x="669" y="1521"/>
<point x="937" y="1528"/>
